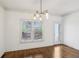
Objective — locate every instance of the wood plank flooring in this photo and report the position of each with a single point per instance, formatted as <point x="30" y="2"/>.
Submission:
<point x="56" y="51"/>
<point x="69" y="52"/>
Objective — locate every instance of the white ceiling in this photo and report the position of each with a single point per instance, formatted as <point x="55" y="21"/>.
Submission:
<point x="57" y="7"/>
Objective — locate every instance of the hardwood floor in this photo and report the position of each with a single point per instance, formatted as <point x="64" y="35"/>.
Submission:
<point x="56" y="51"/>
<point x="69" y="52"/>
<point x="45" y="52"/>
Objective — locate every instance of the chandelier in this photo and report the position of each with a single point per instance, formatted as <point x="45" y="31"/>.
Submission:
<point x="39" y="14"/>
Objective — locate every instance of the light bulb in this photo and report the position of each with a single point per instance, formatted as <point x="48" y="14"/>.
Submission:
<point x="40" y="18"/>
<point x="46" y="15"/>
<point x="37" y="14"/>
<point x="34" y="17"/>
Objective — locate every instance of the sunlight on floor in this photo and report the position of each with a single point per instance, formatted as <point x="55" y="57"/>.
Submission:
<point x="57" y="52"/>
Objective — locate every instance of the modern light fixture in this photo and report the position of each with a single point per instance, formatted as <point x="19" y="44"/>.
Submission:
<point x="39" y="14"/>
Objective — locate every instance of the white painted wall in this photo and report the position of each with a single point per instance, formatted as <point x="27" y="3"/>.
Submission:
<point x="13" y="31"/>
<point x="1" y="31"/>
<point x="71" y="30"/>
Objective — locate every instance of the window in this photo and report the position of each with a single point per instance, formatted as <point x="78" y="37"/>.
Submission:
<point x="31" y="30"/>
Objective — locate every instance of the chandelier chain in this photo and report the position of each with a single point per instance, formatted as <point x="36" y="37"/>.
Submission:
<point x="40" y="6"/>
